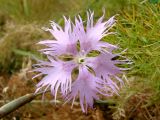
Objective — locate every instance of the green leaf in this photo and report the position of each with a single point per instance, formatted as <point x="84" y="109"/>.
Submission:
<point x="26" y="53"/>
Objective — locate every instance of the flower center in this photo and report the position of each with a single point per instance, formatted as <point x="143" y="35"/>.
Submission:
<point x="80" y="57"/>
<point x="80" y="60"/>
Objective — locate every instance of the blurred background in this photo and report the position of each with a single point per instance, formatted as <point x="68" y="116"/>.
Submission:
<point x="138" y="27"/>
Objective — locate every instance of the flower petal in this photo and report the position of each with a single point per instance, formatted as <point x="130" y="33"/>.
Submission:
<point x="58" y="74"/>
<point x="90" y="39"/>
<point x="103" y="65"/>
<point x="65" y="40"/>
<point x="87" y="86"/>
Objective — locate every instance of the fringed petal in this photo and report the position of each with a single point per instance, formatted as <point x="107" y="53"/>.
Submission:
<point x="57" y="76"/>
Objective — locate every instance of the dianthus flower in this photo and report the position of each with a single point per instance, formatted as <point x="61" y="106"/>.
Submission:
<point x="80" y="65"/>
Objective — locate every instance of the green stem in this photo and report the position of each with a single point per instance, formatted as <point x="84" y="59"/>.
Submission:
<point x="15" y="104"/>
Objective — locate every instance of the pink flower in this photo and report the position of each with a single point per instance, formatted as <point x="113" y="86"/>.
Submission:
<point x="96" y="74"/>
